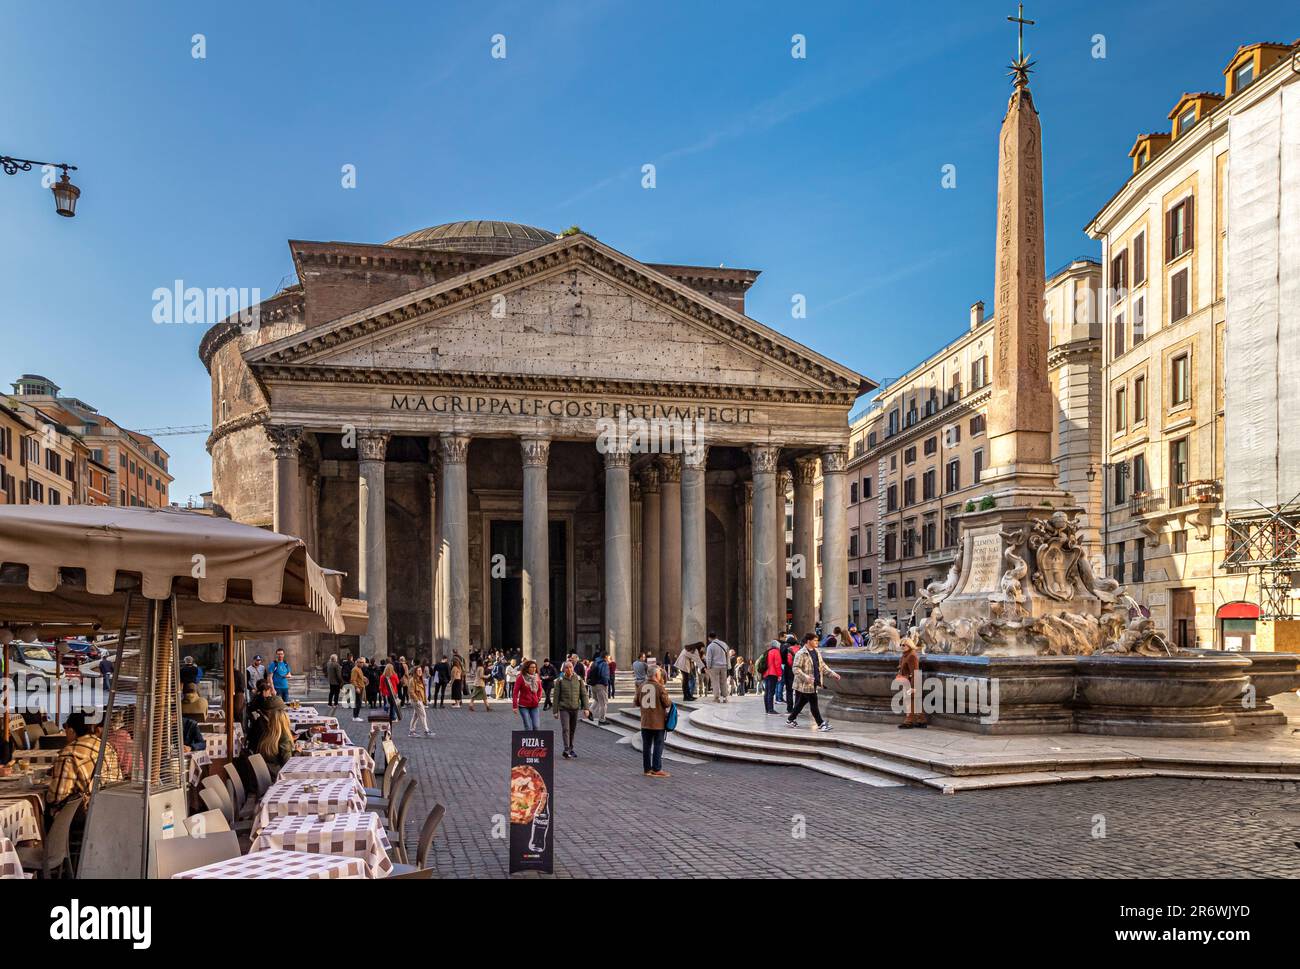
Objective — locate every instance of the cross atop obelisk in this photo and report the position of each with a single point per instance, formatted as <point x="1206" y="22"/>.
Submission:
<point x="1021" y="66"/>
<point x="1021" y="409"/>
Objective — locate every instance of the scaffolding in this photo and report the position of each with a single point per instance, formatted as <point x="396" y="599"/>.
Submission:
<point x="1266" y="545"/>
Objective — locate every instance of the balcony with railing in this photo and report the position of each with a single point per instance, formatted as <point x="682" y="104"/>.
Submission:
<point x="1187" y="494"/>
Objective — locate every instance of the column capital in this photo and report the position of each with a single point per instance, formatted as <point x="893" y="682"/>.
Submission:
<point x="371" y="445"/>
<point x="783" y="478"/>
<point x="670" y="468"/>
<point x="634" y="488"/>
<point x="455" y="448"/>
<point x="286" y="439"/>
<point x="618" y="457"/>
<point x="536" y="451"/>
<point x="805" y="471"/>
<point x="650" y="481"/>
<point x="835" y="459"/>
<point x="696" y="457"/>
<point x="763" y="457"/>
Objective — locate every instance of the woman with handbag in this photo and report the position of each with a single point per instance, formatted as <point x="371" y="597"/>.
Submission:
<point x="656" y="707"/>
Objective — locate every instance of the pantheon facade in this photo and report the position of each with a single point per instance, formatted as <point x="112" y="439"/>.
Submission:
<point x="511" y="439"/>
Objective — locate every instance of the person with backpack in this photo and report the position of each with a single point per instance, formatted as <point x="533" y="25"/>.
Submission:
<point x="771" y="670"/>
<point x="548" y="675"/>
<point x="652" y="698"/>
<point x="788" y="650"/>
<point x="716" y="661"/>
<point x="499" y="677"/>
<point x="598" y="680"/>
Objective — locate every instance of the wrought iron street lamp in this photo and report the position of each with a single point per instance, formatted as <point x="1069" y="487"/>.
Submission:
<point x="65" y="193"/>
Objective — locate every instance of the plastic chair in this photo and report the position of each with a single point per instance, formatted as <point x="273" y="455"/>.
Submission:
<point x="52" y="854"/>
<point x="244" y="805"/>
<point x="214" y="803"/>
<point x="429" y="829"/>
<point x="205" y="823"/>
<point x="261" y="772"/>
<point x="181" y="854"/>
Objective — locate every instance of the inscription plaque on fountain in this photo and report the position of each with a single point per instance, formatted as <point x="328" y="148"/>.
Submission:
<point x="986" y="557"/>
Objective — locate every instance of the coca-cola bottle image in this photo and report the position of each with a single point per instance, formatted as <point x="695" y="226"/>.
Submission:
<point x="541" y="828"/>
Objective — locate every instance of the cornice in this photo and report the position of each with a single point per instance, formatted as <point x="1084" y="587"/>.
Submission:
<point x="274" y="310"/>
<point x="467" y="380"/>
<point x="547" y="260"/>
<point x="243" y="422"/>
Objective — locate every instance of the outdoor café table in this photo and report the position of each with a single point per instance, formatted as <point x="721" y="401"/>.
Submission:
<point x="195" y="762"/>
<point x="305" y="712"/>
<point x="18" y="820"/>
<point x="356" y="835"/>
<point x="318" y="799"/>
<point x="303" y="723"/>
<point x="362" y="756"/>
<point x="319" y="768"/>
<point x="11" y="866"/>
<point x="274" y="863"/>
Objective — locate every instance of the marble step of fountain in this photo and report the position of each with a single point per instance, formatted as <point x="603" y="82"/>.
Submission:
<point x="708" y="733"/>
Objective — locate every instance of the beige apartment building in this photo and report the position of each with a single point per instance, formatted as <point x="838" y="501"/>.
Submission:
<point x="918" y="453"/>
<point x="120" y="466"/>
<point x="1167" y="266"/>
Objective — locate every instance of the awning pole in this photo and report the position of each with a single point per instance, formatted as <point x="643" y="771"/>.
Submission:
<point x="228" y="648"/>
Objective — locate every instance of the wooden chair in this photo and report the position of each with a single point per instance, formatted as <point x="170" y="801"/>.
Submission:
<point x="52" y="854"/>
<point x="181" y="854"/>
<point x="429" y="829"/>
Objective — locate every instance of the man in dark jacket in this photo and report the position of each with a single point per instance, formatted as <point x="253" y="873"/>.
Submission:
<point x="788" y="650"/>
<point x="598" y="680"/>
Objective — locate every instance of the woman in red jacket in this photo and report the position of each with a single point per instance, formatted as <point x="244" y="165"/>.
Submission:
<point x="528" y="695"/>
<point x="388" y="687"/>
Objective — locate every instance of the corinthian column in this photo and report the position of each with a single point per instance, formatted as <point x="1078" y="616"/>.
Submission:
<point x="455" y="538"/>
<point x="778" y="566"/>
<point x="763" y="460"/>
<point x="372" y="540"/>
<point x="537" y="555"/>
<point x="670" y="552"/>
<point x="835" y="539"/>
<point x="618" y="558"/>
<point x="694" y="571"/>
<point x="286" y="444"/>
<point x="650" y="561"/>
<point x="805" y="560"/>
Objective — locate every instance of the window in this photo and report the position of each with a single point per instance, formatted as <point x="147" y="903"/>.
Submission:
<point x="979" y="373"/>
<point x="1178" y="471"/>
<point x="893" y="422"/>
<point x="929" y="483"/>
<point x="853" y="577"/>
<point x="1119" y="276"/>
<point x="1242" y="76"/>
<point x="891" y="498"/>
<point x="1180" y="542"/>
<point x="1179" y="303"/>
<point x="1139" y="474"/>
<point x="1186" y="120"/>
<point x="817" y="508"/>
<point x="952" y="476"/>
<point x="950" y="525"/>
<point x="977" y="425"/>
<point x="1180" y="380"/>
<point x="909" y="542"/>
<point x="909" y="589"/>
<point x="867" y="542"/>
<point x="1117" y="335"/>
<point x="909" y="492"/>
<point x="859" y="448"/>
<point x="1139" y="400"/>
<point x="891" y="547"/>
<point x="36" y="491"/>
<point x="1139" y="562"/>
<point x="1120" y="475"/>
<point x="853" y="493"/>
<point x="1121" y="410"/>
<point x="893" y="462"/>
<point x="853" y="545"/>
<point x="929" y="535"/>
<point x="1118" y="573"/>
<point x="866" y="488"/>
<point x="1140" y="258"/>
<point x="909" y="456"/>
<point x="954" y="388"/>
<point x="55" y="497"/>
<point x="1178" y="229"/>
<point x="892" y="591"/>
<point x="979" y="466"/>
<point x="866" y="577"/>
<point x="931" y="445"/>
<point x="1139" y="320"/>
<point x="871" y="439"/>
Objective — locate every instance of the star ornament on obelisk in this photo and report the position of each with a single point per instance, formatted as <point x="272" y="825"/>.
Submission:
<point x="1022" y="65"/>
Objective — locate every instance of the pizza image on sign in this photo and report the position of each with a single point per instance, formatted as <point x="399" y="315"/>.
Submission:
<point x="528" y="794"/>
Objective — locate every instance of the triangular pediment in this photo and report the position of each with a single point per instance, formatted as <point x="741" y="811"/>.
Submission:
<point x="572" y="310"/>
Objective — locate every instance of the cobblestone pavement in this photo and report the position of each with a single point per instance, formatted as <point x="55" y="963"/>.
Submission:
<point x="723" y="820"/>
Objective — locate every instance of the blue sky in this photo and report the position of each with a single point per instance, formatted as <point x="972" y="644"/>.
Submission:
<point x="823" y="172"/>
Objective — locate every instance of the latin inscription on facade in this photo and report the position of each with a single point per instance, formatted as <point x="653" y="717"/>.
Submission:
<point x="985" y="564"/>
<point x="576" y="408"/>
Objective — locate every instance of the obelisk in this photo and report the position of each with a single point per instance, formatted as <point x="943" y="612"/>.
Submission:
<point x="1021" y="409"/>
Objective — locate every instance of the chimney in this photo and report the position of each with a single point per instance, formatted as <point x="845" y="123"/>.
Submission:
<point x="977" y="314"/>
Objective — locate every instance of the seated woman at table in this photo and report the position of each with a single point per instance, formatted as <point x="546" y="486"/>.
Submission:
<point x="192" y="736"/>
<point x="119" y="738"/>
<point x="74" y="768"/>
<point x="193" y="705"/>
<point x="276" y="742"/>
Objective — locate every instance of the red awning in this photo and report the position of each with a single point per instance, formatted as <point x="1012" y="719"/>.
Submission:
<point x="1238" y="610"/>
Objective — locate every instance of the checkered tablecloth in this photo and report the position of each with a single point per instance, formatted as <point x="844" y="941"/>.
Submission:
<point x="11" y="866"/>
<point x="354" y="835"/>
<point x="303" y="723"/>
<point x="195" y="763"/>
<point x="359" y="754"/>
<point x="215" y="736"/>
<point x="302" y="712"/>
<point x="317" y="799"/>
<point x="18" y="821"/>
<point x="319" y="768"/>
<point x="274" y="863"/>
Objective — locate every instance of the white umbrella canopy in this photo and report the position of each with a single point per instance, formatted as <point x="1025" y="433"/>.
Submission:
<point x="76" y="563"/>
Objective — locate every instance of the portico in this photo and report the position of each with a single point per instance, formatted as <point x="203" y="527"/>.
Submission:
<point x="566" y="450"/>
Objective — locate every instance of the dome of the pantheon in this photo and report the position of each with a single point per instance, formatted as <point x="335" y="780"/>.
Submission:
<point x="476" y="235"/>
